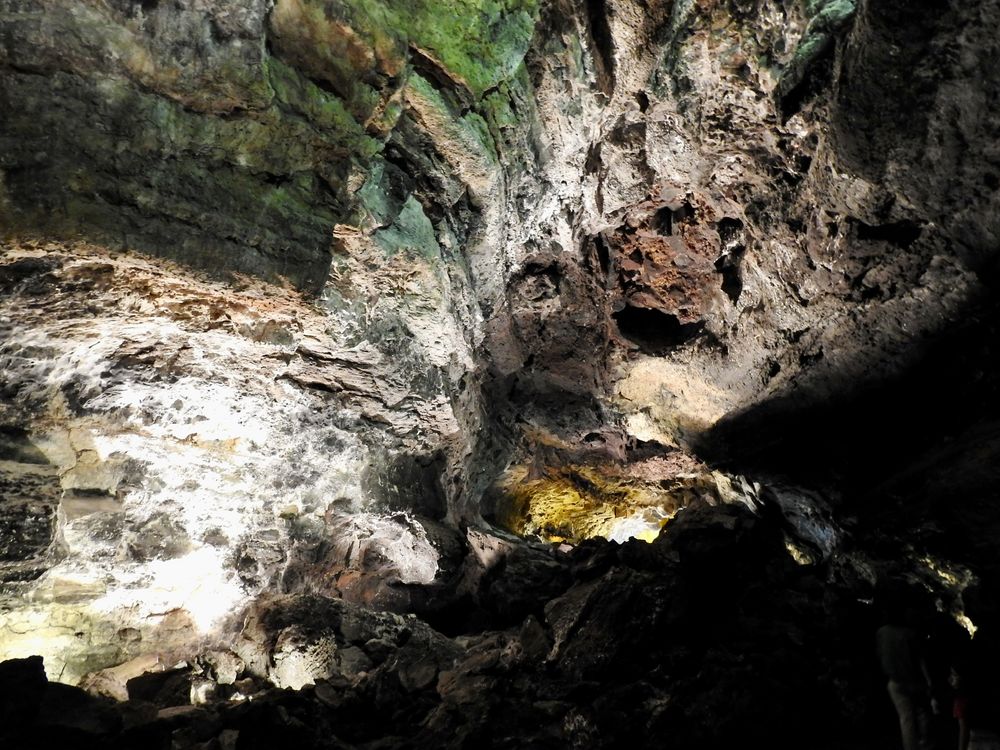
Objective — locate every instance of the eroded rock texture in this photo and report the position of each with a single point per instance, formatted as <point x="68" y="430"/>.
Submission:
<point x="197" y="437"/>
<point x="300" y="297"/>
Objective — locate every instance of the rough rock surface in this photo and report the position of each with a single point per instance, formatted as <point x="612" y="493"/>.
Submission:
<point x="577" y="268"/>
<point x="193" y="445"/>
<point x="715" y="604"/>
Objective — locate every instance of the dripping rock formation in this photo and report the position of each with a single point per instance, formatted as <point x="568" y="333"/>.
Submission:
<point x="492" y="373"/>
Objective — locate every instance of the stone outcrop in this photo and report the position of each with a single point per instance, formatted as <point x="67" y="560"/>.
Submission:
<point x="715" y="603"/>
<point x="193" y="445"/>
<point x="698" y="182"/>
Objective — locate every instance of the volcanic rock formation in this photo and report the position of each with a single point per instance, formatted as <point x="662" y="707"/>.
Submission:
<point x="491" y="373"/>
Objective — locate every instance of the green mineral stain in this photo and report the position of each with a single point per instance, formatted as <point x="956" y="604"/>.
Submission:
<point x="476" y="126"/>
<point x="826" y="19"/>
<point x="324" y="110"/>
<point x="276" y="147"/>
<point x="837" y="11"/>
<point x="830" y="15"/>
<point x="469" y="131"/>
<point x="480" y="42"/>
<point x="411" y="232"/>
<point x="374" y="196"/>
<point x="497" y="107"/>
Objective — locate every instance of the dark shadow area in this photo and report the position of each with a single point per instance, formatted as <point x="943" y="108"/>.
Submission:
<point x="860" y="432"/>
<point x="15" y="446"/>
<point x="603" y="254"/>
<point x="816" y="80"/>
<point x="409" y="482"/>
<point x="888" y="82"/>
<point x="654" y="331"/>
<point x="729" y="264"/>
<point x="82" y="167"/>
<point x="663" y="221"/>
<point x="899" y="233"/>
<point x="915" y="457"/>
<point x="604" y="45"/>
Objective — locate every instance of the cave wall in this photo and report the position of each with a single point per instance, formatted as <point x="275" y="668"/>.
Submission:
<point x="740" y="189"/>
<point x="496" y="233"/>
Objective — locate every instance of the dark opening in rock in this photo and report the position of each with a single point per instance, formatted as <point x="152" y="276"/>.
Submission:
<point x="898" y="233"/>
<point x="654" y="331"/>
<point x="663" y="221"/>
<point x="685" y="212"/>
<point x="732" y="284"/>
<point x="728" y="264"/>
<point x="593" y="163"/>
<point x="600" y="32"/>
<point x="603" y="254"/>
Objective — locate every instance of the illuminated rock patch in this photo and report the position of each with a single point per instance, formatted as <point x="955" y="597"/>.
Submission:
<point x="617" y="502"/>
<point x="187" y="445"/>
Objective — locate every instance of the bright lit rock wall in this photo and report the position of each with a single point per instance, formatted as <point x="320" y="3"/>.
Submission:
<point x="185" y="445"/>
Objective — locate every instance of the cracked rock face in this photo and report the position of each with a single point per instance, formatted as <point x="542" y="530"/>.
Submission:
<point x="313" y="306"/>
<point x="695" y="182"/>
<point x="190" y="444"/>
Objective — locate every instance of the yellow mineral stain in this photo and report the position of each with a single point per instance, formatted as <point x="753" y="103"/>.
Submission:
<point x="575" y="502"/>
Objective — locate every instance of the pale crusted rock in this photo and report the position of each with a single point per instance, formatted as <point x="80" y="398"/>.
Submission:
<point x="166" y="419"/>
<point x="113" y="681"/>
<point x="299" y="640"/>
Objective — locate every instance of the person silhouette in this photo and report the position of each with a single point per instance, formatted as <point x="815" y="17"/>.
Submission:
<point x="901" y="652"/>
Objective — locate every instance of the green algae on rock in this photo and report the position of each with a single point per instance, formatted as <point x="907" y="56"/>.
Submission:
<point x="125" y="123"/>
